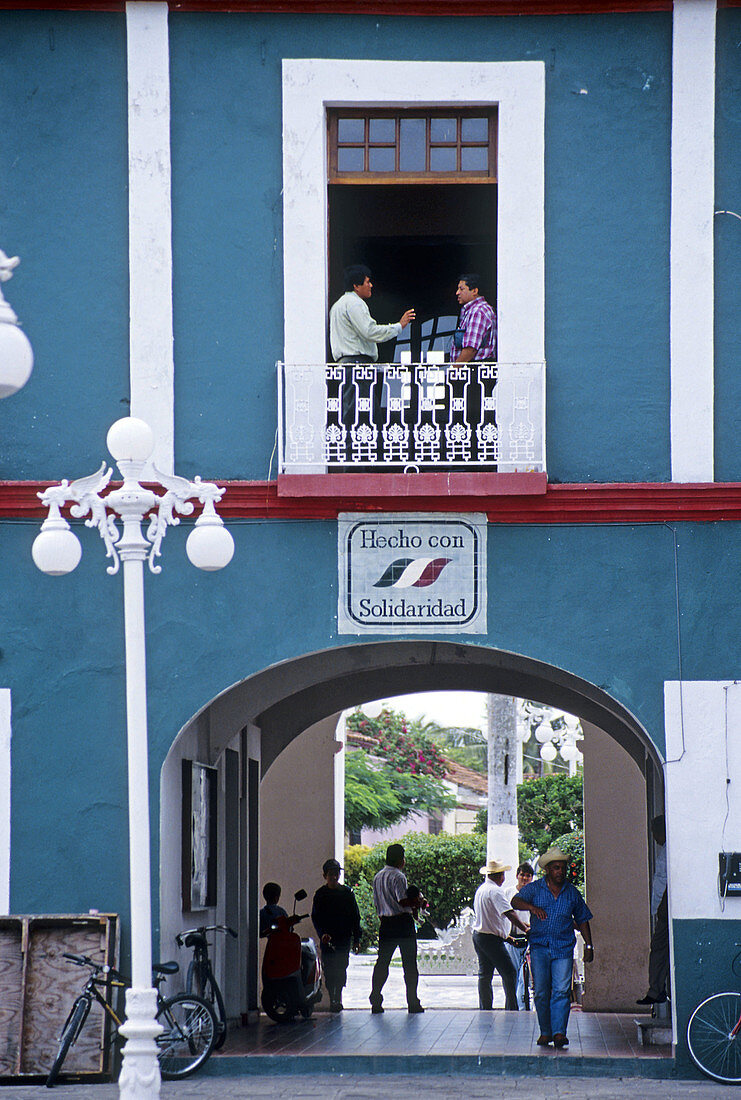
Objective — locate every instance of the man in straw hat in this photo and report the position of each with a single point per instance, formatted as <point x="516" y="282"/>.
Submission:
<point x="494" y="918"/>
<point x="555" y="906"/>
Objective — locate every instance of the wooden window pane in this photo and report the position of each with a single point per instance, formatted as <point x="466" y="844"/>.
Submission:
<point x="474" y="129"/>
<point x="381" y="160"/>
<point x="382" y="129"/>
<point x="350" y="160"/>
<point x="443" y="160"/>
<point x="350" y="129"/>
<point x="474" y="159"/>
<point x="444" y="129"/>
<point x="412" y="145"/>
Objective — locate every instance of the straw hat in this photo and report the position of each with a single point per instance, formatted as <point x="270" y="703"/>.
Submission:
<point x="493" y="867"/>
<point x="553" y="855"/>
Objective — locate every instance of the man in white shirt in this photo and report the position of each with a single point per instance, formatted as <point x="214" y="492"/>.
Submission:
<point x="353" y="334"/>
<point x="494" y="917"/>
<point x="658" y="959"/>
<point x="395" y="910"/>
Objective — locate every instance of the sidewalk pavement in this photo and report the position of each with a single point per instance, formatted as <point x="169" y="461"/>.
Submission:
<point x="354" y="1087"/>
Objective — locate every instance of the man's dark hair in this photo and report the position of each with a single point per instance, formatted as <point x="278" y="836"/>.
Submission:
<point x="271" y="893"/>
<point x="394" y="855"/>
<point x="355" y="275"/>
<point x="473" y="282"/>
<point x="330" y="865"/>
<point x="525" y="869"/>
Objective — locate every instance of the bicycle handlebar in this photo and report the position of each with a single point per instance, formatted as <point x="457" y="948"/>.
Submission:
<point x="97" y="968"/>
<point x="179" y="938"/>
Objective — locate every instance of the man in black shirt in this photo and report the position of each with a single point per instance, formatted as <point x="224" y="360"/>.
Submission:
<point x="337" y="921"/>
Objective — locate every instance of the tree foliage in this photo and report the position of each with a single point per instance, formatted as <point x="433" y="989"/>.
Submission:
<point x="445" y="867"/>
<point x="402" y="774"/>
<point x="547" y="808"/>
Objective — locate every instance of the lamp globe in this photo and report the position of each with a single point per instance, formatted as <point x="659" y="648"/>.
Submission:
<point x="130" y="440"/>
<point x="16" y="359"/>
<point x="56" y="550"/>
<point x="209" y="546"/>
<point x="548" y="752"/>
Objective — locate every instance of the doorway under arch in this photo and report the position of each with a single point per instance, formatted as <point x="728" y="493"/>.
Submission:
<point x="244" y="730"/>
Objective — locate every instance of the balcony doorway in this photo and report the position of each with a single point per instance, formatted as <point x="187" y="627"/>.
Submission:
<point x="417" y="239"/>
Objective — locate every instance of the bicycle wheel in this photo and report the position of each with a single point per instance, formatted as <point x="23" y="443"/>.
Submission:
<point x="526" y="984"/>
<point x="201" y="981"/>
<point x="714" y="1046"/>
<point x="188" y="1036"/>
<point x="70" y="1031"/>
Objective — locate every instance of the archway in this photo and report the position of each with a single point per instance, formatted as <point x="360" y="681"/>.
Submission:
<point x="246" y="728"/>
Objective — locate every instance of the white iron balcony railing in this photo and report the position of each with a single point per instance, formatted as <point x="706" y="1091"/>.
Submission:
<point x="416" y="416"/>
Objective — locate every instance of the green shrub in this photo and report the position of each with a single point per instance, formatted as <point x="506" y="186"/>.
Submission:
<point x="445" y="867"/>
<point x="354" y="856"/>
<point x="368" y="917"/>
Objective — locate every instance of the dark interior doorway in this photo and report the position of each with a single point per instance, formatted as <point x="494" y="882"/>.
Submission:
<point x="416" y="239"/>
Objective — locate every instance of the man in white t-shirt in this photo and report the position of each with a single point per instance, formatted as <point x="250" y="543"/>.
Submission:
<point x="495" y="917"/>
<point x="516" y="951"/>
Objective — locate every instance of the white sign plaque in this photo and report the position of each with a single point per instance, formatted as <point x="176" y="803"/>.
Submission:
<point x="412" y="574"/>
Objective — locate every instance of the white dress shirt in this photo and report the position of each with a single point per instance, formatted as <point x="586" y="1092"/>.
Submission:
<point x="490" y="903"/>
<point x="352" y="330"/>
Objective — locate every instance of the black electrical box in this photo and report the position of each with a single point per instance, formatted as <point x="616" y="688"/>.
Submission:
<point x="729" y="874"/>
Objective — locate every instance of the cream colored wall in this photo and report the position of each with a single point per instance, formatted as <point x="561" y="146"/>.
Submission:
<point x="616" y="852"/>
<point x="297" y="817"/>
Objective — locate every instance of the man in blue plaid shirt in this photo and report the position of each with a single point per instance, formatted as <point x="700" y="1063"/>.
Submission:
<point x="555" y="906"/>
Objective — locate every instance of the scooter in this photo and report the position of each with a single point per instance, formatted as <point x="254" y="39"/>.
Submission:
<point x="291" y="971"/>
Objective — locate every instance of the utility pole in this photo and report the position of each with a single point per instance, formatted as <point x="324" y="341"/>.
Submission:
<point x="503" y="747"/>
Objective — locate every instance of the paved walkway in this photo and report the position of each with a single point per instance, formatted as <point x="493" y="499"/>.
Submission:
<point x="353" y="1087"/>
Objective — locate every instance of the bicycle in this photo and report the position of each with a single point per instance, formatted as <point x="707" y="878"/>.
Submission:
<point x="713" y="1037"/>
<point x="188" y="1023"/>
<point x="200" y="978"/>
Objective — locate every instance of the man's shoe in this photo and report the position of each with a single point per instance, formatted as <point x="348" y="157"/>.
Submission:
<point x="335" y="1006"/>
<point x="376" y="1010"/>
<point x="414" y="1009"/>
<point x="543" y="1040"/>
<point x="560" y="1041"/>
<point x="649" y="999"/>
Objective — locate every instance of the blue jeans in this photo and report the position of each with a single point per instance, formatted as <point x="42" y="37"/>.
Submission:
<point x="552" y="996"/>
<point x="517" y="955"/>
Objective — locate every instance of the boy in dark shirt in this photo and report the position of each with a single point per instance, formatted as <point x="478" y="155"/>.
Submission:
<point x="336" y="918"/>
<point x="271" y="911"/>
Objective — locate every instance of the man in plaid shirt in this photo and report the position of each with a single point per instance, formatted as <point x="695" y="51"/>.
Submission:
<point x="476" y="335"/>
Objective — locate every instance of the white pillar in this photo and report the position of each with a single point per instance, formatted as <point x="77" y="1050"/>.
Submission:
<point x="503" y="748"/>
<point x="151" y="363"/>
<point x="691" y="263"/>
<point x="140" y="1076"/>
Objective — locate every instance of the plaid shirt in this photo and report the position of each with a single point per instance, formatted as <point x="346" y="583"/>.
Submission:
<point x="556" y="932"/>
<point x="479" y="322"/>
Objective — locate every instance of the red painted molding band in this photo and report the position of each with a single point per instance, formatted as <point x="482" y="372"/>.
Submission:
<point x="651" y="502"/>
<point x="444" y="8"/>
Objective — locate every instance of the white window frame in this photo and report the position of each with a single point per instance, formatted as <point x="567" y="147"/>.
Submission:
<point x="517" y="88"/>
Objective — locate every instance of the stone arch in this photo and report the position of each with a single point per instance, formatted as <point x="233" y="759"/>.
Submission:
<point x="260" y="716"/>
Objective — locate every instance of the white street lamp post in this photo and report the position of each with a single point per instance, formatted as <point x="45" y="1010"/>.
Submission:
<point x="16" y="356"/>
<point x="56" y="550"/>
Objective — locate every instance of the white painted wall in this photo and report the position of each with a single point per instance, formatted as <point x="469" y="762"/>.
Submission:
<point x="5" y="730"/>
<point x="692" y="206"/>
<point x="703" y="807"/>
<point x="151" y="364"/>
<point x="518" y="87"/>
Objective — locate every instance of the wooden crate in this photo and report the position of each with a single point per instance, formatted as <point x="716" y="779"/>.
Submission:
<point x="38" y="987"/>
